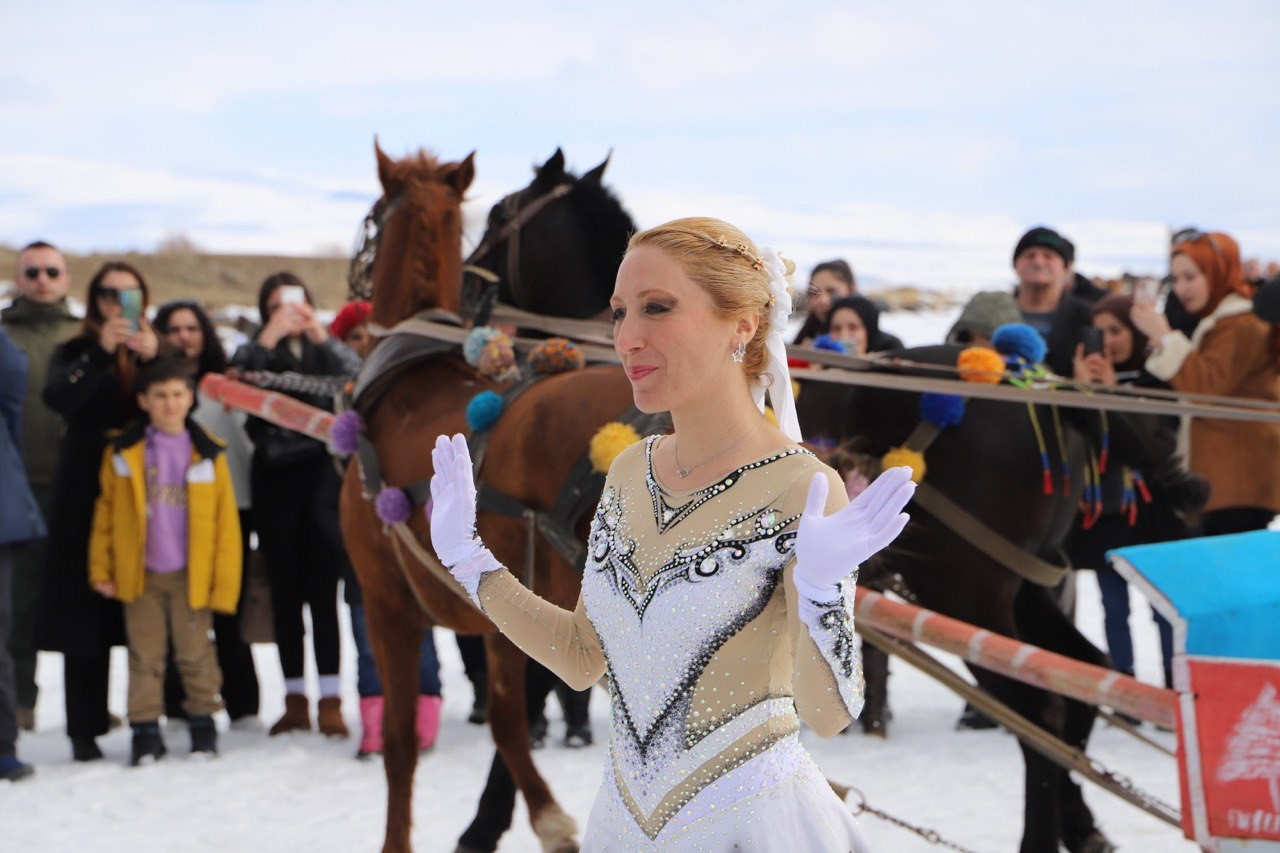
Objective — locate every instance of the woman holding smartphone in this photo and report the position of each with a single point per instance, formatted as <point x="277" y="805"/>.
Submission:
<point x="295" y="501"/>
<point x="1232" y="353"/>
<point x="90" y="384"/>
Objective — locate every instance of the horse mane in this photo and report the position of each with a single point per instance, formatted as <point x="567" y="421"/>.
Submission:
<point x="601" y="210"/>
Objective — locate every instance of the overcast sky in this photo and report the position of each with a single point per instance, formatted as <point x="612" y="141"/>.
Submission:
<point x="917" y="139"/>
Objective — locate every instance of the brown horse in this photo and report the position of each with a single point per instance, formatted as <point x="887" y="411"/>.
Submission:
<point x="531" y="451"/>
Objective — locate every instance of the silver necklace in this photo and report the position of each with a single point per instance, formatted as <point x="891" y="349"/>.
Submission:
<point x="683" y="471"/>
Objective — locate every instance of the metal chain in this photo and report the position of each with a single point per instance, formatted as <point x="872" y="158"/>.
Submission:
<point x="1126" y="784"/>
<point x="297" y="383"/>
<point x="929" y="835"/>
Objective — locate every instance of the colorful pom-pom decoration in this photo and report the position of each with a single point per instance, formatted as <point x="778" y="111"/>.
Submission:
<point x="610" y="440"/>
<point x="828" y="343"/>
<point x="942" y="410"/>
<point x="476" y="339"/>
<point x="982" y="365"/>
<point x="770" y="416"/>
<point x="1018" y="340"/>
<point x="556" y="355"/>
<point x="344" y="435"/>
<point x="905" y="456"/>
<point x="795" y="388"/>
<point x="393" y="505"/>
<point x="484" y="410"/>
<point x="497" y="358"/>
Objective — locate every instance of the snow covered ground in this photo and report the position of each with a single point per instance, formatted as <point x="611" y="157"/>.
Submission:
<point x="301" y="792"/>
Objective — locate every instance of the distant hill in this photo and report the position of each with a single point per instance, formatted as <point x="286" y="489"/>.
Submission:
<point x="213" y="280"/>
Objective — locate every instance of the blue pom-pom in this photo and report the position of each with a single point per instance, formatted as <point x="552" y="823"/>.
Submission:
<point x="393" y="505"/>
<point x="474" y="344"/>
<point x="1020" y="340"/>
<point x="344" y="436"/>
<point x="942" y="410"/>
<point x="484" y="410"/>
<point x="828" y="343"/>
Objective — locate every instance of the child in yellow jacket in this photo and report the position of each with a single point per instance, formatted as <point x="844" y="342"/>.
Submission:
<point x="166" y="543"/>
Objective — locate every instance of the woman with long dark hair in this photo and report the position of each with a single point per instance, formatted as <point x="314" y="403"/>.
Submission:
<point x="90" y="384"/>
<point x="295" y="501"/>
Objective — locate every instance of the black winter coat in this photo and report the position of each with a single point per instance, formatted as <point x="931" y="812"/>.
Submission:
<point x="84" y="387"/>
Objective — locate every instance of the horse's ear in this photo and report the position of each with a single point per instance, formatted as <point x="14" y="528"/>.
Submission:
<point x="462" y="174"/>
<point x="596" y="175"/>
<point x="552" y="171"/>
<point x="384" y="164"/>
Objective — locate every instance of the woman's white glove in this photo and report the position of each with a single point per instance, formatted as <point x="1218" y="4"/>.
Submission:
<point x="829" y="547"/>
<point x="453" y="514"/>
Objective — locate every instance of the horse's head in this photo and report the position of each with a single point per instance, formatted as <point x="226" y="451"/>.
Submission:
<point x="556" y="244"/>
<point x="418" y="235"/>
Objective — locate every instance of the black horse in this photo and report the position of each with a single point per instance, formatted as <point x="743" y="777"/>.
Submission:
<point x="990" y="464"/>
<point x="554" y="245"/>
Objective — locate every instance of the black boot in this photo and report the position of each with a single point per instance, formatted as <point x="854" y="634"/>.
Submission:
<point x="85" y="749"/>
<point x="147" y="743"/>
<point x="480" y="706"/>
<point x="974" y="719"/>
<point x="204" y="736"/>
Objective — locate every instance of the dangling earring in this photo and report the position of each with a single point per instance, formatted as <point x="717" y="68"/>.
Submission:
<point x="739" y="353"/>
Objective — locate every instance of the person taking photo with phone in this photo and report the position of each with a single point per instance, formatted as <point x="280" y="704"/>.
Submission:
<point x="295" y="501"/>
<point x="1232" y="353"/>
<point x="90" y="384"/>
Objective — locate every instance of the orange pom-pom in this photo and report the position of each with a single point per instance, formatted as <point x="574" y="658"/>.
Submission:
<point x="982" y="365"/>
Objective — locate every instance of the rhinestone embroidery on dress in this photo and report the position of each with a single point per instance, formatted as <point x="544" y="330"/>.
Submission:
<point x="669" y="516"/>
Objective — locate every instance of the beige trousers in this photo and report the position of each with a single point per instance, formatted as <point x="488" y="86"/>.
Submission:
<point x="159" y="614"/>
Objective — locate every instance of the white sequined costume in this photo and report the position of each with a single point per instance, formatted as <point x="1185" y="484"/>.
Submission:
<point x="713" y="658"/>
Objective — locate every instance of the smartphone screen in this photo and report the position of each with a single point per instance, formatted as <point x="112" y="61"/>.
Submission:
<point x="131" y="307"/>
<point x="291" y="294"/>
<point x="1092" y="340"/>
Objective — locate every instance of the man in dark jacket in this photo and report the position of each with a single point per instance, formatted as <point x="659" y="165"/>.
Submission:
<point x="1040" y="260"/>
<point x="20" y="523"/>
<point x="37" y="321"/>
<point x="1266" y="302"/>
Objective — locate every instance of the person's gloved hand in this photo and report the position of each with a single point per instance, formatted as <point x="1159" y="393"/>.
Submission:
<point x="829" y="547"/>
<point x="453" y="502"/>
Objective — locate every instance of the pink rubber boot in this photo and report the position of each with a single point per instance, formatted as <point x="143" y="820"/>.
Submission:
<point x="371" y="722"/>
<point x="428" y="721"/>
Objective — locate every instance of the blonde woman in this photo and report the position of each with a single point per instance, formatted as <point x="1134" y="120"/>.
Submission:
<point x="719" y="584"/>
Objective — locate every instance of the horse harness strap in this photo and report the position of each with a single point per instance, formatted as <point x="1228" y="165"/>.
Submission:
<point x="972" y="530"/>
<point x="511" y="232"/>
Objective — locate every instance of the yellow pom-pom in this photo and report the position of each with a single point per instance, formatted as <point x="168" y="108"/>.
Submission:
<point x="770" y="416"/>
<point x="610" y="440"/>
<point x="905" y="456"/>
<point x="982" y="365"/>
<point x="795" y="388"/>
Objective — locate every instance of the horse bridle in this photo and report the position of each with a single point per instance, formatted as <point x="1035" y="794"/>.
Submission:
<point x="518" y="217"/>
<point x="369" y="237"/>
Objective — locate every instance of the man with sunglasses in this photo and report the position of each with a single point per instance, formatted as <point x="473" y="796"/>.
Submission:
<point x="38" y="320"/>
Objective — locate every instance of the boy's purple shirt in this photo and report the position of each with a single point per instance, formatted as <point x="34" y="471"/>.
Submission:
<point x="167" y="458"/>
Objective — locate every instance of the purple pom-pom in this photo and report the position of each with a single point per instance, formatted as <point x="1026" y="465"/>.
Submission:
<point x="829" y="343"/>
<point x="1019" y="340"/>
<point x="345" y="434"/>
<point x="393" y="505"/>
<point x="942" y="410"/>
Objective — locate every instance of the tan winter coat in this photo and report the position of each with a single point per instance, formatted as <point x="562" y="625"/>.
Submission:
<point x="1229" y="354"/>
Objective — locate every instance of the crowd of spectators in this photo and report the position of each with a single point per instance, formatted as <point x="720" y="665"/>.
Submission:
<point x="138" y="512"/>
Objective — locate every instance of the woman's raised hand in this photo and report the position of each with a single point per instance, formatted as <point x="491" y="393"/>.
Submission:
<point x="829" y="547"/>
<point x="453" y="502"/>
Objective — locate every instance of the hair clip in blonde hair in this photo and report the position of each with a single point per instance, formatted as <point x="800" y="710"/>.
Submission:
<point x="743" y="249"/>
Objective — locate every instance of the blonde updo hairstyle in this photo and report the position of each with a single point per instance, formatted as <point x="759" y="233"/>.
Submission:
<point x="725" y="263"/>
